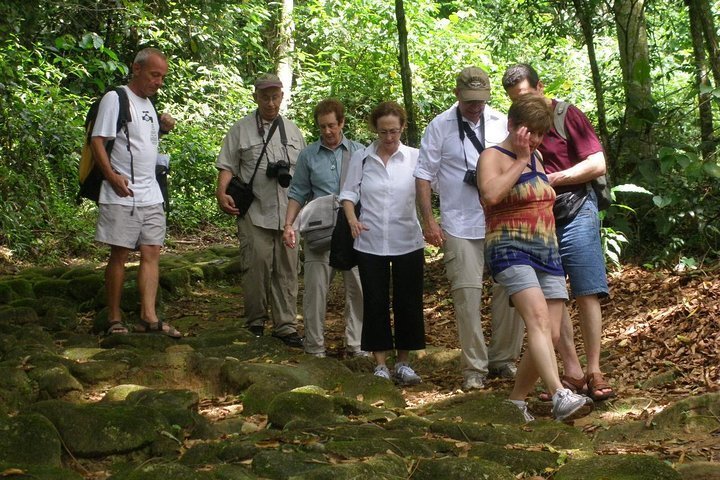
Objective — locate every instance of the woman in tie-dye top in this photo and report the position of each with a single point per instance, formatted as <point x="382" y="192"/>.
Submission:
<point x="522" y="251"/>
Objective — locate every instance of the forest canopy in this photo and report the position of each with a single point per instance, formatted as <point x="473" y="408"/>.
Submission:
<point x="646" y="73"/>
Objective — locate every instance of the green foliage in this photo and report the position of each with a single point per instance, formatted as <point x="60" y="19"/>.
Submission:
<point x="56" y="57"/>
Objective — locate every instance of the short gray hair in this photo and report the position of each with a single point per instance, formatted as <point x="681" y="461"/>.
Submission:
<point x="146" y="53"/>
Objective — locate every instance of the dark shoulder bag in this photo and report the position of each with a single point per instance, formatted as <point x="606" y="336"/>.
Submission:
<point x="601" y="184"/>
<point x="343" y="255"/>
<point x="240" y="191"/>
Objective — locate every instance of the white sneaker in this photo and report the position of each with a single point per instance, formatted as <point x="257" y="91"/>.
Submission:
<point x="382" y="372"/>
<point x="506" y="370"/>
<point x="359" y="353"/>
<point x="473" y="381"/>
<point x="522" y="406"/>
<point x="566" y="403"/>
<point x="404" y="375"/>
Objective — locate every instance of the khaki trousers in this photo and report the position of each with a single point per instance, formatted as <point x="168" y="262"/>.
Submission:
<point x="464" y="264"/>
<point x="269" y="278"/>
<point x="318" y="275"/>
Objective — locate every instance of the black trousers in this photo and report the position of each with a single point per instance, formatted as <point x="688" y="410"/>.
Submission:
<point x="406" y="273"/>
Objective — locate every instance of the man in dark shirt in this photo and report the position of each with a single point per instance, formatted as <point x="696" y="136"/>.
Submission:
<point x="572" y="162"/>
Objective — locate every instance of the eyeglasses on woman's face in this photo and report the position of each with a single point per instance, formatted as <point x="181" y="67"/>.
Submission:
<point x="389" y="133"/>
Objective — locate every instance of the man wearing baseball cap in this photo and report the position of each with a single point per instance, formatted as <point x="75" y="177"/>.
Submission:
<point x="261" y="150"/>
<point x="449" y="153"/>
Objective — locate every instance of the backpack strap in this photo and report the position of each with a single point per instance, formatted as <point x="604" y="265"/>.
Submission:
<point x="122" y="124"/>
<point x="561" y="109"/>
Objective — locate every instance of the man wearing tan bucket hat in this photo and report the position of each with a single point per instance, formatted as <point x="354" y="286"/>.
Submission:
<point x="449" y="152"/>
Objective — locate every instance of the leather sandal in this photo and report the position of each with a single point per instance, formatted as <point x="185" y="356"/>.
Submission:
<point x="116" y="328"/>
<point x="576" y="385"/>
<point x="597" y="383"/>
<point x="158" y="327"/>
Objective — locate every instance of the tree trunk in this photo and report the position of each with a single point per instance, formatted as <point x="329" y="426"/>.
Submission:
<point x="701" y="79"/>
<point x="286" y="46"/>
<point x="584" y="11"/>
<point x="413" y="137"/>
<point x="711" y="40"/>
<point x="636" y="147"/>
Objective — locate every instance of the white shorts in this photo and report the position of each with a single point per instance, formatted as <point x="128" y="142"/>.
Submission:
<point x="129" y="227"/>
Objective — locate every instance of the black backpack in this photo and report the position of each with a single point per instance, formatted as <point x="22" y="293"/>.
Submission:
<point x="90" y="175"/>
<point x="600" y="184"/>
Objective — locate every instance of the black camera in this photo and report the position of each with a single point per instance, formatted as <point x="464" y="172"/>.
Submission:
<point x="470" y="178"/>
<point x="281" y="171"/>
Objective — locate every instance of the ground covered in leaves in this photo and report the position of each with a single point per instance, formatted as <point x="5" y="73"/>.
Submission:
<point x="660" y="353"/>
<point x="661" y="343"/>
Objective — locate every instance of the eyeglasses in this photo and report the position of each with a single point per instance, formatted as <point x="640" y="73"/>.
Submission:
<point x="389" y="133"/>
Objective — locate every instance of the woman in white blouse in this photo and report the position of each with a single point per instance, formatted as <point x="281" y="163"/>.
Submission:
<point x="389" y="242"/>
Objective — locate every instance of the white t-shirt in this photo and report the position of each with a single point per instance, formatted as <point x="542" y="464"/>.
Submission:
<point x="442" y="162"/>
<point x="387" y="194"/>
<point x="143" y="131"/>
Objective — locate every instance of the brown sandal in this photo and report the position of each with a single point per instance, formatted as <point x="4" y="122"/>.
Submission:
<point x="157" y="328"/>
<point x="576" y="385"/>
<point x="597" y="383"/>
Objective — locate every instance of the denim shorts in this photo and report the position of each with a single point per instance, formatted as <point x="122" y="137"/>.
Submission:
<point x="521" y="277"/>
<point x="581" y="251"/>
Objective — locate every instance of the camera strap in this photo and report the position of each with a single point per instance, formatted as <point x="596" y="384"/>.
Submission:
<point x="283" y="138"/>
<point x="273" y="127"/>
<point x="464" y="128"/>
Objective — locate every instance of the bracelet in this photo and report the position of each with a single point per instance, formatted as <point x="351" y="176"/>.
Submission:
<point x="287" y="225"/>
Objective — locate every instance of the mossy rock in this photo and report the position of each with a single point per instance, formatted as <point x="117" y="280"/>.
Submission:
<point x="145" y="342"/>
<point x="385" y="466"/>
<point x="51" y="288"/>
<point x="81" y="271"/>
<point x="97" y="430"/>
<point x="96" y="371"/>
<point x="18" y="315"/>
<point x="699" y="470"/>
<point x="220" y="337"/>
<point x="460" y="469"/>
<point x="175" y="280"/>
<point x="29" y="440"/>
<point x="16" y="388"/>
<point x="480" y="407"/>
<point x="233" y="267"/>
<point x="212" y="271"/>
<point x="40" y="472"/>
<point x="617" y="467"/>
<point x="699" y="412"/>
<point x="551" y="433"/>
<point x="281" y="465"/>
<point x="231" y="472"/>
<point x="517" y="461"/>
<point x="81" y="354"/>
<point x="21" y="286"/>
<point x="228" y="251"/>
<point x="178" y="406"/>
<point x="683" y="419"/>
<point x="158" y="469"/>
<point x="120" y="392"/>
<point x="230" y="450"/>
<point x="54" y="381"/>
<point x="411" y="423"/>
<point x="86" y="287"/>
<point x="60" y="318"/>
<point x="6" y="293"/>
<point x="363" y="448"/>
<point x="294" y="405"/>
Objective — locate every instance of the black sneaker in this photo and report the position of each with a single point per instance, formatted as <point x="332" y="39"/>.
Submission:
<point x="291" y="339"/>
<point x="256" y="330"/>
